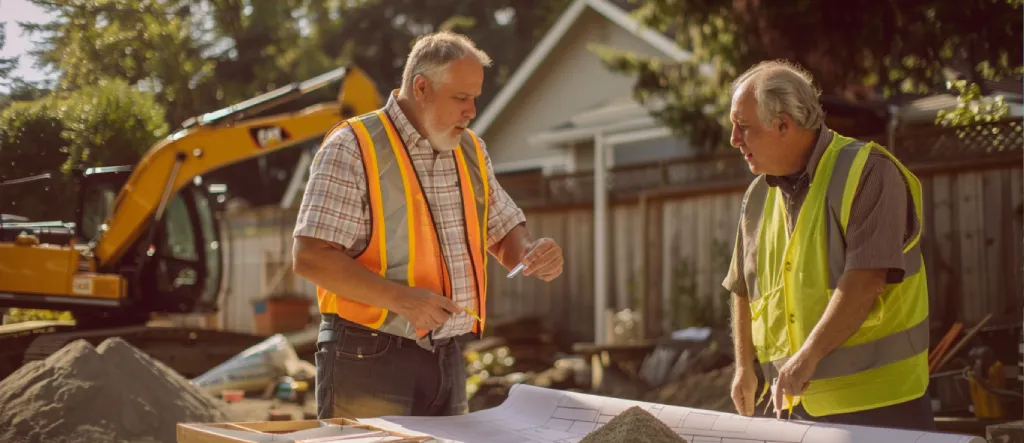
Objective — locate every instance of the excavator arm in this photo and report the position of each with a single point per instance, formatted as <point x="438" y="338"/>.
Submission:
<point x="221" y="138"/>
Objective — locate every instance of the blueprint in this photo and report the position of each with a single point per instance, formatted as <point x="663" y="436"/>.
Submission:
<point x="534" y="414"/>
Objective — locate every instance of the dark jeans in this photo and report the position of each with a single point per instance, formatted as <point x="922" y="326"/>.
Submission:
<point x="914" y="415"/>
<point x="361" y="373"/>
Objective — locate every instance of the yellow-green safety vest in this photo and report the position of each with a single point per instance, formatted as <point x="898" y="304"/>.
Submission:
<point x="885" y="361"/>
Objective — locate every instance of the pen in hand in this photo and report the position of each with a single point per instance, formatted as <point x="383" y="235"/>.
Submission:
<point x="516" y="270"/>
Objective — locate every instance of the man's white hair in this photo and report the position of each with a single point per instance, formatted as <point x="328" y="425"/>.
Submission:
<point x="781" y="87"/>
<point x="432" y="54"/>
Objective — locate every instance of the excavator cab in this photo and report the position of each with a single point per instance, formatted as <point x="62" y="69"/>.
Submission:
<point x="177" y="268"/>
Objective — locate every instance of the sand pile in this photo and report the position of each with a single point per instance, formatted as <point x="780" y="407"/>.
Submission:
<point x="634" y="425"/>
<point x="113" y="393"/>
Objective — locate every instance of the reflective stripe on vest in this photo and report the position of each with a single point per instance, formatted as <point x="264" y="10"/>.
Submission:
<point x="797" y="274"/>
<point x="404" y="244"/>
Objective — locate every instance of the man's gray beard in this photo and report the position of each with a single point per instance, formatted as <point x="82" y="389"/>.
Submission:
<point x="443" y="147"/>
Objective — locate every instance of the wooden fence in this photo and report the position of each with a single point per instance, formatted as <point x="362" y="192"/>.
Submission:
<point x="672" y="227"/>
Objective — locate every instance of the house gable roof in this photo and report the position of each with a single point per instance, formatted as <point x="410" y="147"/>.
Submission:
<point x="606" y="8"/>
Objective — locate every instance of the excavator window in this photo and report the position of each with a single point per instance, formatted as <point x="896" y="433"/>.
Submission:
<point x="184" y="272"/>
<point x="211" y="249"/>
<point x="179" y="239"/>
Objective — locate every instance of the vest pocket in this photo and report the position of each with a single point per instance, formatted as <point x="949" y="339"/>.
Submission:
<point x="770" y="325"/>
<point x="757" y="326"/>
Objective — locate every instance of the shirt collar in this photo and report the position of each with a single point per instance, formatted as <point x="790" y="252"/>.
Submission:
<point x="413" y="140"/>
<point x="823" y="139"/>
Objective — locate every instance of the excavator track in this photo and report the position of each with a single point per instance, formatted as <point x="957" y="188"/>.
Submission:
<point x="188" y="351"/>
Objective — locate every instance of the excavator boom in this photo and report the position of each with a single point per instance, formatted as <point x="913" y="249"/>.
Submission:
<point x="218" y="139"/>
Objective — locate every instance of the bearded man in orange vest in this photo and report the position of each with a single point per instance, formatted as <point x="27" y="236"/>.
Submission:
<point x="398" y="217"/>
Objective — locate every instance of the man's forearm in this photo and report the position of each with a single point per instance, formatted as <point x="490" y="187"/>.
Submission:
<point x="333" y="270"/>
<point x="850" y="305"/>
<point x="513" y="247"/>
<point x="743" y="341"/>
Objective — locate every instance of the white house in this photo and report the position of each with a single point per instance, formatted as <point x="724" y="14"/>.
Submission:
<point x="562" y="98"/>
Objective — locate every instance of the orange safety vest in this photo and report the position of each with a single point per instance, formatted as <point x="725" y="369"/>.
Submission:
<point x="404" y="246"/>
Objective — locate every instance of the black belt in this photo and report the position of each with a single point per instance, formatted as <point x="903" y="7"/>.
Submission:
<point x="332" y="325"/>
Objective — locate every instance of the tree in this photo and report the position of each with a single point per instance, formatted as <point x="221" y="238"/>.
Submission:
<point x="196" y="55"/>
<point x="59" y="132"/>
<point x="856" y="50"/>
<point x="7" y="65"/>
<point x="377" y="35"/>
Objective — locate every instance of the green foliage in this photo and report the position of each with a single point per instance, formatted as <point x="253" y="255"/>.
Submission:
<point x="31" y="144"/>
<point x="18" y="315"/>
<point x="972" y="107"/>
<point x="109" y="123"/>
<point x="859" y="50"/>
<point x="687" y="306"/>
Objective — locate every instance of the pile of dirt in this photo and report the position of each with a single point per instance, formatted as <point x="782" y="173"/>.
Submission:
<point x="112" y="393"/>
<point x="634" y="425"/>
<point x="702" y="390"/>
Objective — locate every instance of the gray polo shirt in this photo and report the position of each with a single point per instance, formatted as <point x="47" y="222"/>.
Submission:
<point x="882" y="217"/>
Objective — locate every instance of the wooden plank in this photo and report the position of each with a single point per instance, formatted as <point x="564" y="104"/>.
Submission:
<point x="944" y="264"/>
<point x="1016" y="236"/>
<point x="584" y="271"/>
<point x="654" y="307"/>
<point x="971" y="252"/>
<point x="688" y="249"/>
<point x="929" y="245"/>
<point x="669" y="256"/>
<point x="619" y="258"/>
<point x="993" y="242"/>
<point x="703" y="259"/>
<point x="724" y="238"/>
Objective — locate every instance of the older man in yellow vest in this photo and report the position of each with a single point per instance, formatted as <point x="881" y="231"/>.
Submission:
<point x="398" y="217"/>
<point x="828" y="281"/>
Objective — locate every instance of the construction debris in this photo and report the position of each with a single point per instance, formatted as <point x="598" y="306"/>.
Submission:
<point x="700" y="390"/>
<point x="112" y="393"/>
<point x="675" y="373"/>
<point x="634" y="425"/>
<point x="519" y="351"/>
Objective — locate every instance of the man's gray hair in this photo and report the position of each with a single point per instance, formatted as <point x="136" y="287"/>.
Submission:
<point x="781" y="87"/>
<point x="432" y="54"/>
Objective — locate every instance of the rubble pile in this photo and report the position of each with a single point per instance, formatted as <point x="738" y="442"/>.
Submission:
<point x="700" y="380"/>
<point x="701" y="390"/>
<point x="519" y="351"/>
<point x="111" y="393"/>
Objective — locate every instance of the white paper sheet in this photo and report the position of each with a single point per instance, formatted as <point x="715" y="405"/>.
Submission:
<point x="535" y="414"/>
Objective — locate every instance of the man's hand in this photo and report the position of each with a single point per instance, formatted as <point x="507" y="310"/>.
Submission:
<point x="425" y="309"/>
<point x="793" y="378"/>
<point x="543" y="259"/>
<point x="744" y="390"/>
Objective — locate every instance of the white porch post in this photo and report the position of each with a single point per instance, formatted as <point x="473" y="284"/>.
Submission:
<point x="600" y="238"/>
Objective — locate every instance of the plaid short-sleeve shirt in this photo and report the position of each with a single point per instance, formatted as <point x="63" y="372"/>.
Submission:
<point x="335" y="206"/>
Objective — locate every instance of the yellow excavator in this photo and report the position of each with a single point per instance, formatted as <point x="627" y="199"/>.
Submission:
<point x="146" y="239"/>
